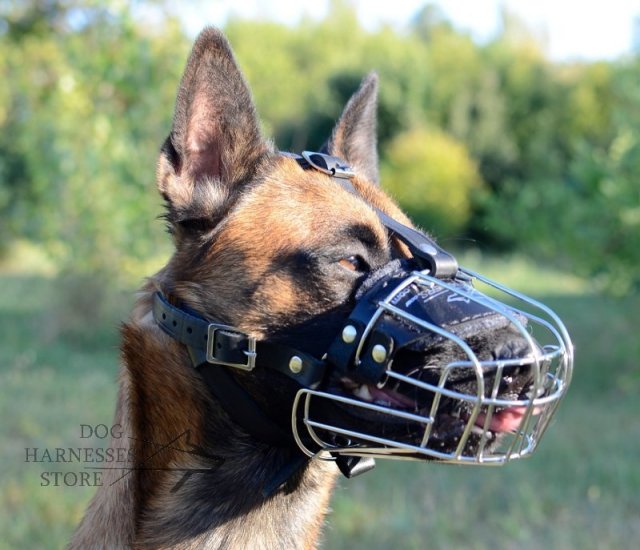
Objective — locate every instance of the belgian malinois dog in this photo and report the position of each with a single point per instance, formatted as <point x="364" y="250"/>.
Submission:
<point x="271" y="251"/>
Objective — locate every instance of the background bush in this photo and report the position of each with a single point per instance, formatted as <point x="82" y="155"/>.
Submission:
<point x="518" y="151"/>
<point x="433" y="177"/>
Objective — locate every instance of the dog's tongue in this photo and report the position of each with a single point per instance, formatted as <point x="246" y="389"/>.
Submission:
<point x="506" y="420"/>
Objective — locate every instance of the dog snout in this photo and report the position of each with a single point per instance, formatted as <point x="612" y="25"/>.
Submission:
<point x="515" y="347"/>
<point x="505" y="358"/>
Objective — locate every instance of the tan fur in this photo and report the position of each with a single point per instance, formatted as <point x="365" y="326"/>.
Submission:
<point x="241" y="217"/>
<point x="159" y="377"/>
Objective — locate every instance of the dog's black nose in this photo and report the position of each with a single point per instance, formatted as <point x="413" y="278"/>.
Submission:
<point x="512" y="346"/>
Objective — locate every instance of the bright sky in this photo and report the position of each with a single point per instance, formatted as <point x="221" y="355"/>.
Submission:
<point x="575" y="29"/>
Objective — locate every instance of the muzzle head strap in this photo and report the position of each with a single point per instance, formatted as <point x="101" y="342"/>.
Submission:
<point x="425" y="251"/>
<point x="438" y="261"/>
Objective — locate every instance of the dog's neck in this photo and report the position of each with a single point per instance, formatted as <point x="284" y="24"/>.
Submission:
<point x="195" y="478"/>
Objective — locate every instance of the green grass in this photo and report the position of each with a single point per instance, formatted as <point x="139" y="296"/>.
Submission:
<point x="51" y="382"/>
<point x="580" y="490"/>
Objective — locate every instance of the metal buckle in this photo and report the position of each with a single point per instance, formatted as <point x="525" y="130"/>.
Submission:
<point x="250" y="352"/>
<point x="332" y="166"/>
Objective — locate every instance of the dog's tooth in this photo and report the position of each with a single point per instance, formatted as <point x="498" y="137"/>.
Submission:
<point x="363" y="393"/>
<point x="477" y="430"/>
<point x="480" y="432"/>
<point x="348" y="383"/>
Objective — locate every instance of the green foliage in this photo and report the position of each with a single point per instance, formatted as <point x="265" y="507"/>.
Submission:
<point x="433" y="178"/>
<point x="590" y="217"/>
<point x="311" y="70"/>
<point x="80" y="131"/>
<point x="87" y="89"/>
<point x="607" y="197"/>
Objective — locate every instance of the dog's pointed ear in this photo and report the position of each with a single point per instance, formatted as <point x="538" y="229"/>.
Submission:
<point x="354" y="136"/>
<point x="215" y="142"/>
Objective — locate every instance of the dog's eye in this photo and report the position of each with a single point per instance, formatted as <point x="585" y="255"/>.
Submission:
<point x="354" y="263"/>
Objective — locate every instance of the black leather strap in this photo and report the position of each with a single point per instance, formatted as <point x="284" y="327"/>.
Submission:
<point x="183" y="326"/>
<point x="440" y="263"/>
<point x="242" y="408"/>
<point x="231" y="347"/>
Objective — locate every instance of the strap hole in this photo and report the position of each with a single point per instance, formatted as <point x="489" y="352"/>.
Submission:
<point x="164" y="316"/>
<point x="175" y="323"/>
<point x="189" y="330"/>
<point x="219" y="345"/>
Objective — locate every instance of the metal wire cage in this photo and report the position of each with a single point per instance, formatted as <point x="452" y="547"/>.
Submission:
<point x="549" y="360"/>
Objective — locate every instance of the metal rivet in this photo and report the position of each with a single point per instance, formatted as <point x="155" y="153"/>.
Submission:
<point x="379" y="353"/>
<point x="295" y="364"/>
<point x="349" y="334"/>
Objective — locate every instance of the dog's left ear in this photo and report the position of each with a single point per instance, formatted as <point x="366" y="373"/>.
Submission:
<point x="354" y="136"/>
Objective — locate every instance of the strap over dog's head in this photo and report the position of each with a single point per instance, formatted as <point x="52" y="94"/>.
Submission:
<point x="425" y="251"/>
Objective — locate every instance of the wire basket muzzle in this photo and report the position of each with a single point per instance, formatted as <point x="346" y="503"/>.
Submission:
<point x="417" y="380"/>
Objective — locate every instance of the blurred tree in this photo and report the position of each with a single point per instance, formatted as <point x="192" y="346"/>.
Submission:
<point x="429" y="21"/>
<point x="34" y="17"/>
<point x="589" y="218"/>
<point x="81" y="87"/>
<point x="433" y="178"/>
<point x="322" y="63"/>
<point x="87" y="89"/>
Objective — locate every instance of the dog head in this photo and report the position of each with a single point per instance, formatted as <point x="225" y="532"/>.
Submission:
<point x="291" y="256"/>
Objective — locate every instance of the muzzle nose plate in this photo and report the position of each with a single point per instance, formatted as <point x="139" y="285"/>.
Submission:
<point x="455" y="308"/>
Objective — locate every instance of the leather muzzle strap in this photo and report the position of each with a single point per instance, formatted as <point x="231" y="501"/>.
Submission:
<point x="233" y="348"/>
<point x="424" y="249"/>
